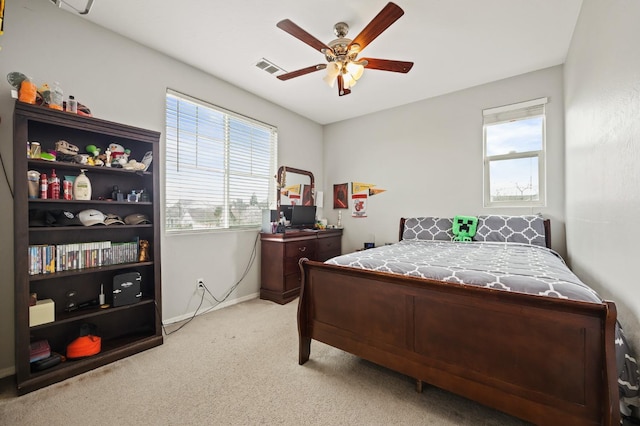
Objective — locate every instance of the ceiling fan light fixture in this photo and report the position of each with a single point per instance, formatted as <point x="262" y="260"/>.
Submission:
<point x="333" y="69"/>
<point x="348" y="79"/>
<point x="355" y="69"/>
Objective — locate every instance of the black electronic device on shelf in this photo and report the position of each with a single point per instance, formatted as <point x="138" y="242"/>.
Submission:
<point x="303" y="216"/>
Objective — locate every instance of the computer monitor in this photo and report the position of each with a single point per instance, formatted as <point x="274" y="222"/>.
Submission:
<point x="286" y="211"/>
<point x="303" y="216"/>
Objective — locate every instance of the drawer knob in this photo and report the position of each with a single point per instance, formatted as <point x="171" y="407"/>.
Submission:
<point x="303" y="248"/>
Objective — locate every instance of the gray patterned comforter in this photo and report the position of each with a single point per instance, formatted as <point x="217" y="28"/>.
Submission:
<point x="507" y="266"/>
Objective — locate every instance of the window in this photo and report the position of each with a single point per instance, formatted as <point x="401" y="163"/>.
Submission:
<point x="514" y="154"/>
<point x="219" y="167"/>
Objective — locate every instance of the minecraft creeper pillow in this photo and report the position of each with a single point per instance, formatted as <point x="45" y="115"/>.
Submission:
<point x="464" y="227"/>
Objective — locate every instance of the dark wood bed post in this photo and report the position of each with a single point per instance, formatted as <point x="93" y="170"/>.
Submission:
<point x="547" y="233"/>
<point x="304" y="340"/>
<point x="611" y="373"/>
<point x="402" y="220"/>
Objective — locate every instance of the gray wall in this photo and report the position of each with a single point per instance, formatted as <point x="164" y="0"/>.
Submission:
<point x="602" y="97"/>
<point x="428" y="156"/>
<point x="124" y="82"/>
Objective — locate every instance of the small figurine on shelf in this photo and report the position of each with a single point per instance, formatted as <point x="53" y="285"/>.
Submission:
<point x="116" y="151"/>
<point x="144" y="251"/>
<point x="133" y="165"/>
<point x="65" y="147"/>
<point x="144" y="196"/>
<point x="117" y="195"/>
<point x="45" y="94"/>
<point x="124" y="158"/>
<point x="95" y="159"/>
<point x="93" y="151"/>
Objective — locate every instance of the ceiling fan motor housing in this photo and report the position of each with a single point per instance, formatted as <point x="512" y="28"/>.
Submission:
<point x="342" y="48"/>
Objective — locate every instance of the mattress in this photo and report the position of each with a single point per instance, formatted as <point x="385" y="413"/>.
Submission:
<point x="506" y="266"/>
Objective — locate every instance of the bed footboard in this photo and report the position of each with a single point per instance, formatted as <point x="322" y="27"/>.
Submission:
<point x="548" y="361"/>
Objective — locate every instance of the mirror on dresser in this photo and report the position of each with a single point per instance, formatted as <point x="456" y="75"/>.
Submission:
<point x="295" y="187"/>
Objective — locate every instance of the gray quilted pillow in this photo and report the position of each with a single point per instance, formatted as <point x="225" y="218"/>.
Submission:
<point x="428" y="228"/>
<point x="528" y="229"/>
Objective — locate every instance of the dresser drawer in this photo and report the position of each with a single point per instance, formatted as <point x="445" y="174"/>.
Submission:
<point x="329" y="244"/>
<point x="328" y="248"/>
<point x="292" y="281"/>
<point x="294" y="250"/>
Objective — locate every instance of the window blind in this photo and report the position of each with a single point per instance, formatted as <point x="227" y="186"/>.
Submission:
<point x="219" y="166"/>
<point x="503" y="114"/>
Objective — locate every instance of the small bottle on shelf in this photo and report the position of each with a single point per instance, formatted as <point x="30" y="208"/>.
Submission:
<point x="82" y="186"/>
<point x="44" y="186"/>
<point x="72" y="105"/>
<point x="67" y="189"/>
<point x="115" y="192"/>
<point x="54" y="186"/>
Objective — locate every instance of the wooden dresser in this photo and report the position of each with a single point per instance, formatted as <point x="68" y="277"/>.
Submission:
<point x="280" y="275"/>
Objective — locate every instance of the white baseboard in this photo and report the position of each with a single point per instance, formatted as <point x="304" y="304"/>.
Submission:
<point x="6" y="372"/>
<point x="210" y="309"/>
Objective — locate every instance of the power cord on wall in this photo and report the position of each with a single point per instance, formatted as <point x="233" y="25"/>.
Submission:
<point x="6" y="177"/>
<point x="167" y="333"/>
<point x="252" y="259"/>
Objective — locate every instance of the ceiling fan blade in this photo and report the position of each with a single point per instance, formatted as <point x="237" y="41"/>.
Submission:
<point x="302" y="35"/>
<point x="341" y="90"/>
<point x="388" y="65"/>
<point x="302" y="71"/>
<point x="383" y="20"/>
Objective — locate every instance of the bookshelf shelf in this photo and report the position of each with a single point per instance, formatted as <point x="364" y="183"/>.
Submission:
<point x="41" y="277"/>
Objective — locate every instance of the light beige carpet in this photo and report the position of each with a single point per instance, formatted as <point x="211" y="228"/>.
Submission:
<point x="238" y="366"/>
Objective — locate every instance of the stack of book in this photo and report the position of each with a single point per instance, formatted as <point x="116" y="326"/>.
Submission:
<point x="47" y="259"/>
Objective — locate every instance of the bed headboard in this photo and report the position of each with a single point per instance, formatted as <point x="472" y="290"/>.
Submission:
<point x="546" y="222"/>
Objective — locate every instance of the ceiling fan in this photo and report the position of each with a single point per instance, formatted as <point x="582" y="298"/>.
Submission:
<point x="341" y="54"/>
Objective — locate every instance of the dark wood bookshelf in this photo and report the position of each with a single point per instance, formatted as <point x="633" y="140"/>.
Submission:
<point x="124" y="330"/>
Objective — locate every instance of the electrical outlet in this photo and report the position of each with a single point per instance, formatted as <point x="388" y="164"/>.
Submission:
<point x="200" y="284"/>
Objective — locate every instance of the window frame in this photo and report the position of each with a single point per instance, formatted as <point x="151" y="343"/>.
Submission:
<point x="228" y="116"/>
<point x="507" y="114"/>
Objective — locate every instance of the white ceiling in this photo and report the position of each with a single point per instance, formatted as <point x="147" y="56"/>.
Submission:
<point x="454" y="44"/>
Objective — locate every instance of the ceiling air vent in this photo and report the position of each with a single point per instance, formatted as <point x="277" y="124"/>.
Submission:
<point x="74" y="5"/>
<point x="268" y="66"/>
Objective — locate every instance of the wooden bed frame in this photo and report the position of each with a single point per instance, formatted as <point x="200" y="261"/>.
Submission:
<point x="545" y="360"/>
